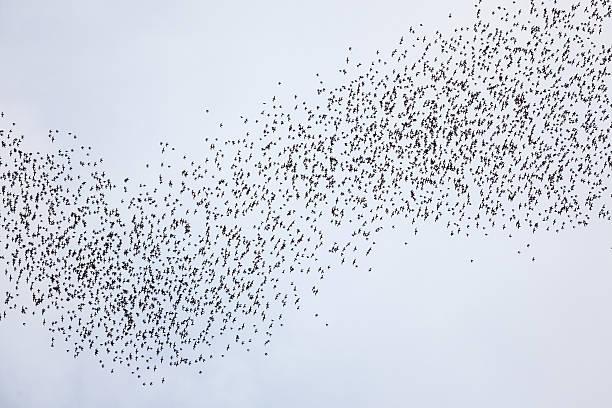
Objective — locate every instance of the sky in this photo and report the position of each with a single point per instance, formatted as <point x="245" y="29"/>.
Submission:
<point x="425" y="327"/>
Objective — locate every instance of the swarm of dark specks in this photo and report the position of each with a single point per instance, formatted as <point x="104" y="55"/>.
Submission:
<point x="503" y="124"/>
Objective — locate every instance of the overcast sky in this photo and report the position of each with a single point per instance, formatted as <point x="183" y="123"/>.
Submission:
<point x="425" y="328"/>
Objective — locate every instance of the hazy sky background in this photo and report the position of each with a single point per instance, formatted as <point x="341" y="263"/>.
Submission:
<point x="425" y="328"/>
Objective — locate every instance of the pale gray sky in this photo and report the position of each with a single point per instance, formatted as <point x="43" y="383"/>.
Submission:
<point x="425" y="328"/>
